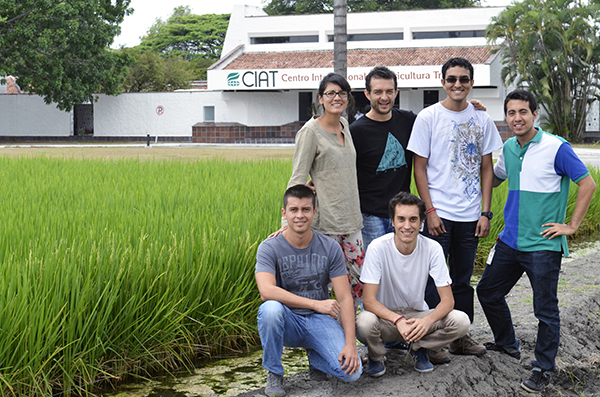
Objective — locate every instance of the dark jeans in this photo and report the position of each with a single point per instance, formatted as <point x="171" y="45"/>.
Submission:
<point x="542" y="268"/>
<point x="460" y="247"/>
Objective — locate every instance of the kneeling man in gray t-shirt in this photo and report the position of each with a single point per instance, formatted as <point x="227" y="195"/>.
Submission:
<point x="395" y="274"/>
<point x="293" y="271"/>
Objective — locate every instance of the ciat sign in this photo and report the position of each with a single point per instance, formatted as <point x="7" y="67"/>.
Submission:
<point x="422" y="76"/>
<point x="253" y="79"/>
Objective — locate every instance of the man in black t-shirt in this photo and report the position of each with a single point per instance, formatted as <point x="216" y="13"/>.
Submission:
<point x="383" y="165"/>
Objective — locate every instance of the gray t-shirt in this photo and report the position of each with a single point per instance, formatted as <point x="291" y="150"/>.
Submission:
<point x="305" y="272"/>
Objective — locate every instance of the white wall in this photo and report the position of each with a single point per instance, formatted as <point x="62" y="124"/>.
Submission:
<point x="135" y="114"/>
<point x="28" y="115"/>
<point x="247" y="21"/>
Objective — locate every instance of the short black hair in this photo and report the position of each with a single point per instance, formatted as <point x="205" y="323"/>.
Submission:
<point x="299" y="191"/>
<point x="380" y="72"/>
<point x="462" y="62"/>
<point x="523" y="96"/>
<point x="405" y="198"/>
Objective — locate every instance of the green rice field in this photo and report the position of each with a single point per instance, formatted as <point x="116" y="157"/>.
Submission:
<point x="121" y="266"/>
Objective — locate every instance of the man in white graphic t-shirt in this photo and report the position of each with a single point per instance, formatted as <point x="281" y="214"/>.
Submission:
<point x="452" y="145"/>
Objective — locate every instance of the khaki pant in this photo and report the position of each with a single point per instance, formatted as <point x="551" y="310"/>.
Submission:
<point x="373" y="331"/>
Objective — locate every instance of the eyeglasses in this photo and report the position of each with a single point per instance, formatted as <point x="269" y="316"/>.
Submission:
<point x="332" y="94"/>
<point x="453" y="79"/>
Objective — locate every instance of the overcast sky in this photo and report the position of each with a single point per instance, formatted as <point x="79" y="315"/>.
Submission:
<point x="146" y="11"/>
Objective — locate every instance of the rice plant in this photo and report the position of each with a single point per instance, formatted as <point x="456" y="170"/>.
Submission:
<point x="111" y="267"/>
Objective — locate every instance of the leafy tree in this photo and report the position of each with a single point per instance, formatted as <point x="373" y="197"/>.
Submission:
<point x="151" y="72"/>
<point x="196" y="38"/>
<point x="553" y="47"/>
<point x="288" y="7"/>
<point x="60" y="49"/>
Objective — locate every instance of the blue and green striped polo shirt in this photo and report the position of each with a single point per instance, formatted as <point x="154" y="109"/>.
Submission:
<point x="539" y="175"/>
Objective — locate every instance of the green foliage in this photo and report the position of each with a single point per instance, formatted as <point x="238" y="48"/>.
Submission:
<point x="60" y="49"/>
<point x="553" y="47"/>
<point x="198" y="39"/>
<point x="288" y="7"/>
<point x="151" y="72"/>
<point x="114" y="267"/>
<point x="188" y="35"/>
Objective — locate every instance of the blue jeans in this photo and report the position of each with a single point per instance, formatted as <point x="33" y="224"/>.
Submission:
<point x="321" y="335"/>
<point x="460" y="247"/>
<point x="374" y="227"/>
<point x="542" y="268"/>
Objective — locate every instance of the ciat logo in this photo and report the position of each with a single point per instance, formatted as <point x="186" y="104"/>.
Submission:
<point x="233" y="79"/>
<point x="253" y="79"/>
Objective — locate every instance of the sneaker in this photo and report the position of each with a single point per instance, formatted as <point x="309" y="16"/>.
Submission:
<point x="438" y="357"/>
<point x="467" y="346"/>
<point x="494" y="347"/>
<point x="537" y="381"/>
<point x="274" y="385"/>
<point x="316" y="375"/>
<point x="422" y="363"/>
<point x="376" y="368"/>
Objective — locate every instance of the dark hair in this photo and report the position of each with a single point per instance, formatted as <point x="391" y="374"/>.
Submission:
<point x="523" y="96"/>
<point x="335" y="78"/>
<point x="462" y="62"/>
<point x="380" y="72"/>
<point x="404" y="198"/>
<point x="299" y="191"/>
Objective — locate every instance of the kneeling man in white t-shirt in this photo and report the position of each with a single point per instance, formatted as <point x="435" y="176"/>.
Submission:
<point x="395" y="275"/>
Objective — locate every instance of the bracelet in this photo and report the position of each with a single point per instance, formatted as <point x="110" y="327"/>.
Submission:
<point x="398" y="319"/>
<point x="429" y="211"/>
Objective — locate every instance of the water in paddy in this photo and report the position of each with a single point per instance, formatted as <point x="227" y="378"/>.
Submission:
<point x="232" y="376"/>
<point x="217" y="377"/>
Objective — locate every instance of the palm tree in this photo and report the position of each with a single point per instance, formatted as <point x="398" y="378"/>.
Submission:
<point x="340" y="49"/>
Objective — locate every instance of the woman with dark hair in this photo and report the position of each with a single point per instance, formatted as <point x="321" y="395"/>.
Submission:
<point x="325" y="152"/>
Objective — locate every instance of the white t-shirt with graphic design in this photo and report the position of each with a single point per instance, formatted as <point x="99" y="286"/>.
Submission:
<point x="402" y="278"/>
<point x="454" y="143"/>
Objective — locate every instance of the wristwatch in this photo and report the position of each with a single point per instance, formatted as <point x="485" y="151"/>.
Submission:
<point x="488" y="214"/>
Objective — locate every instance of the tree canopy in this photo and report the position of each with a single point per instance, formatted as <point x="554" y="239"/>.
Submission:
<point x="198" y="39"/>
<point x="151" y="72"/>
<point x="288" y="7"/>
<point x="188" y="35"/>
<point x="60" y="49"/>
<point x="552" y="47"/>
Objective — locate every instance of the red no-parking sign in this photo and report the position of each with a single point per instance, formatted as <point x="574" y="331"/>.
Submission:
<point x="160" y="109"/>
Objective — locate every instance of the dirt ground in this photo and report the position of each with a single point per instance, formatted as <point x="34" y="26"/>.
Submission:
<point x="186" y="153"/>
<point x="496" y="374"/>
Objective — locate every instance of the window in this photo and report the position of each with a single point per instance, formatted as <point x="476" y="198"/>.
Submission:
<point x="430" y="97"/>
<point x="448" y="35"/>
<point x="284" y="39"/>
<point x="372" y="37"/>
<point x="209" y="114"/>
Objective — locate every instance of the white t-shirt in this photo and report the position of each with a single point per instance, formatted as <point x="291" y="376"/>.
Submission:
<point x="402" y="278"/>
<point x="454" y="143"/>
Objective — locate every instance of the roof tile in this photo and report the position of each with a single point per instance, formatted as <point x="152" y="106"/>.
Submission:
<point x="359" y="58"/>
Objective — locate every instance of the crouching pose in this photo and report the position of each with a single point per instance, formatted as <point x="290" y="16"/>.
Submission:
<point x="395" y="274"/>
<point x="293" y="271"/>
